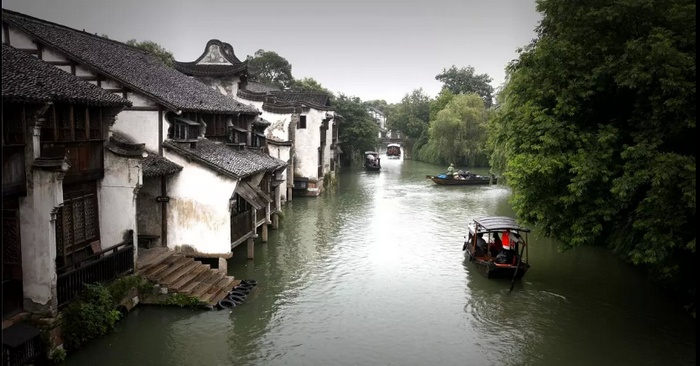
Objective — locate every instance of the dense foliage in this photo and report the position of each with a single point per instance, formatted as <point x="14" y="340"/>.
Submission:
<point x="268" y="67"/>
<point x="465" y="80"/>
<point x="308" y="85"/>
<point x="155" y="49"/>
<point x="596" y="130"/>
<point x="357" y="131"/>
<point x="458" y="133"/>
<point x="90" y="316"/>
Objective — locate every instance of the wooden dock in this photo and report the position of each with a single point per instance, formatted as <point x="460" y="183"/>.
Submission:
<point x="181" y="274"/>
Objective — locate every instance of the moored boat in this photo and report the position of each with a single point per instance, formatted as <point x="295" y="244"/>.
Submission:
<point x="498" y="246"/>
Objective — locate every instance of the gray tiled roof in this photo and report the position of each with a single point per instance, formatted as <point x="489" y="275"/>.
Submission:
<point x="123" y="145"/>
<point x="130" y="66"/>
<point x="224" y="159"/>
<point x="27" y="79"/>
<point x="316" y="99"/>
<point x="155" y="165"/>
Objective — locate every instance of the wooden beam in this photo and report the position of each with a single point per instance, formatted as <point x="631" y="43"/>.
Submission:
<point x="88" y="78"/>
<point x="40" y="51"/>
<point x="72" y="68"/>
<point x="6" y="31"/>
<point x="72" y="123"/>
<point x="142" y="108"/>
<point x="87" y="123"/>
<point x="55" y="123"/>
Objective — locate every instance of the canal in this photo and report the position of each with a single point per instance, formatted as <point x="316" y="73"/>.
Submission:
<point x="374" y="274"/>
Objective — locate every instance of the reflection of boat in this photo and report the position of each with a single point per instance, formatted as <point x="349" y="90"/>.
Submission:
<point x="372" y="161"/>
<point x="393" y="151"/>
<point x="446" y="180"/>
<point x="500" y="253"/>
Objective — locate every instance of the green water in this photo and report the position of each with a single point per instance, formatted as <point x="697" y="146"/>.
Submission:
<point x="374" y="274"/>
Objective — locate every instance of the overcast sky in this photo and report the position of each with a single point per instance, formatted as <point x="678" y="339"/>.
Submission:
<point x="380" y="49"/>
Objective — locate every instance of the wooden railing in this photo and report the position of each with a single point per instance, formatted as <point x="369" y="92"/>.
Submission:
<point x="259" y="216"/>
<point x="102" y="267"/>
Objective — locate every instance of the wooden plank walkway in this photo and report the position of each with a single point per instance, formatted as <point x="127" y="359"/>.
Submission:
<point x="181" y="274"/>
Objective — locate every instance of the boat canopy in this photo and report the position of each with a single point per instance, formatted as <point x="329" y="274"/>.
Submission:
<point x="393" y="145"/>
<point x="498" y="223"/>
<point x="371" y="153"/>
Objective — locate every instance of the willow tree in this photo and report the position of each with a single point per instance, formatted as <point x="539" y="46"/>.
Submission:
<point x="458" y="132"/>
<point x="599" y="121"/>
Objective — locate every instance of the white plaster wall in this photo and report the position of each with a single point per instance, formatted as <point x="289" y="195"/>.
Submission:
<point x="226" y="86"/>
<point x="110" y="84"/>
<point x="83" y="71"/>
<point x="198" y="211"/>
<point x="279" y="126"/>
<point x="65" y="68"/>
<point x="19" y="39"/>
<point x="38" y="233"/>
<point x="282" y="153"/>
<point x="142" y="126"/>
<point x="139" y="100"/>
<point x="306" y="144"/>
<point x="117" y="198"/>
<point x="49" y="54"/>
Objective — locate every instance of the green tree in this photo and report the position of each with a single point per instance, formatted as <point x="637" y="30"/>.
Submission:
<point x="309" y="85"/>
<point x="440" y="102"/>
<point x="465" y="80"/>
<point x="155" y="49"/>
<point x="358" y="132"/>
<point x="411" y="116"/>
<point x="599" y="121"/>
<point x="458" y="133"/>
<point x="268" y="67"/>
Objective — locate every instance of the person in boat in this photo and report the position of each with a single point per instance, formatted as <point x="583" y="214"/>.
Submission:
<point x="451" y="170"/>
<point x="481" y="245"/>
<point x="496" y="246"/>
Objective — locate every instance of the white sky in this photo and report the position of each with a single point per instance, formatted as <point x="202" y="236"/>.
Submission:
<point x="381" y="49"/>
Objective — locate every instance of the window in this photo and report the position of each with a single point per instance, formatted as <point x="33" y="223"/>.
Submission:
<point x="77" y="222"/>
<point x="64" y="122"/>
<point x="302" y="122"/>
<point x="184" y="129"/>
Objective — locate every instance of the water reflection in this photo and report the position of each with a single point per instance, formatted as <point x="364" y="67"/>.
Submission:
<point x="375" y="275"/>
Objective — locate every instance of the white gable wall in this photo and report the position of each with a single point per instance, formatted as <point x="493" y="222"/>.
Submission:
<point x="142" y="126"/>
<point x="117" y="198"/>
<point x="306" y="143"/>
<point x="199" y="209"/>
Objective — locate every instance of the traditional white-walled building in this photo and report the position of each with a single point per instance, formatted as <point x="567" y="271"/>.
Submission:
<point x="69" y="190"/>
<point x="301" y="129"/>
<point x="168" y="106"/>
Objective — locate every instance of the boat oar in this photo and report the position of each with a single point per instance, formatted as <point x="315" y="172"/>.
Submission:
<point x="520" y="261"/>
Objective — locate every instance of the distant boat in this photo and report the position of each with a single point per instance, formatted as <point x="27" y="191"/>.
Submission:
<point x="393" y="151"/>
<point x="470" y="180"/>
<point x="372" y="162"/>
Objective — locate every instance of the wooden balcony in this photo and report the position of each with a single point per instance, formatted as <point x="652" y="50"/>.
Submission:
<point x="86" y="158"/>
<point x="241" y="227"/>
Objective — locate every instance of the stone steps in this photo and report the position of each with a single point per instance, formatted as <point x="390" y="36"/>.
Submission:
<point x="181" y="274"/>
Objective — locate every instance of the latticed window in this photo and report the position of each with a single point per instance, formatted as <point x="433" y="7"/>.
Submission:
<point x="240" y="205"/>
<point x="79" y="222"/>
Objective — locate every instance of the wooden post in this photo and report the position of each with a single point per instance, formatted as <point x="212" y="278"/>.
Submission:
<point x="251" y="247"/>
<point x="264" y="233"/>
<point x="275" y="221"/>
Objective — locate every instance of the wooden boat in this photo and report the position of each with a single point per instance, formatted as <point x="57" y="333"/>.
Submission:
<point x="372" y="161"/>
<point x="503" y="251"/>
<point x="446" y="180"/>
<point x="393" y="151"/>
